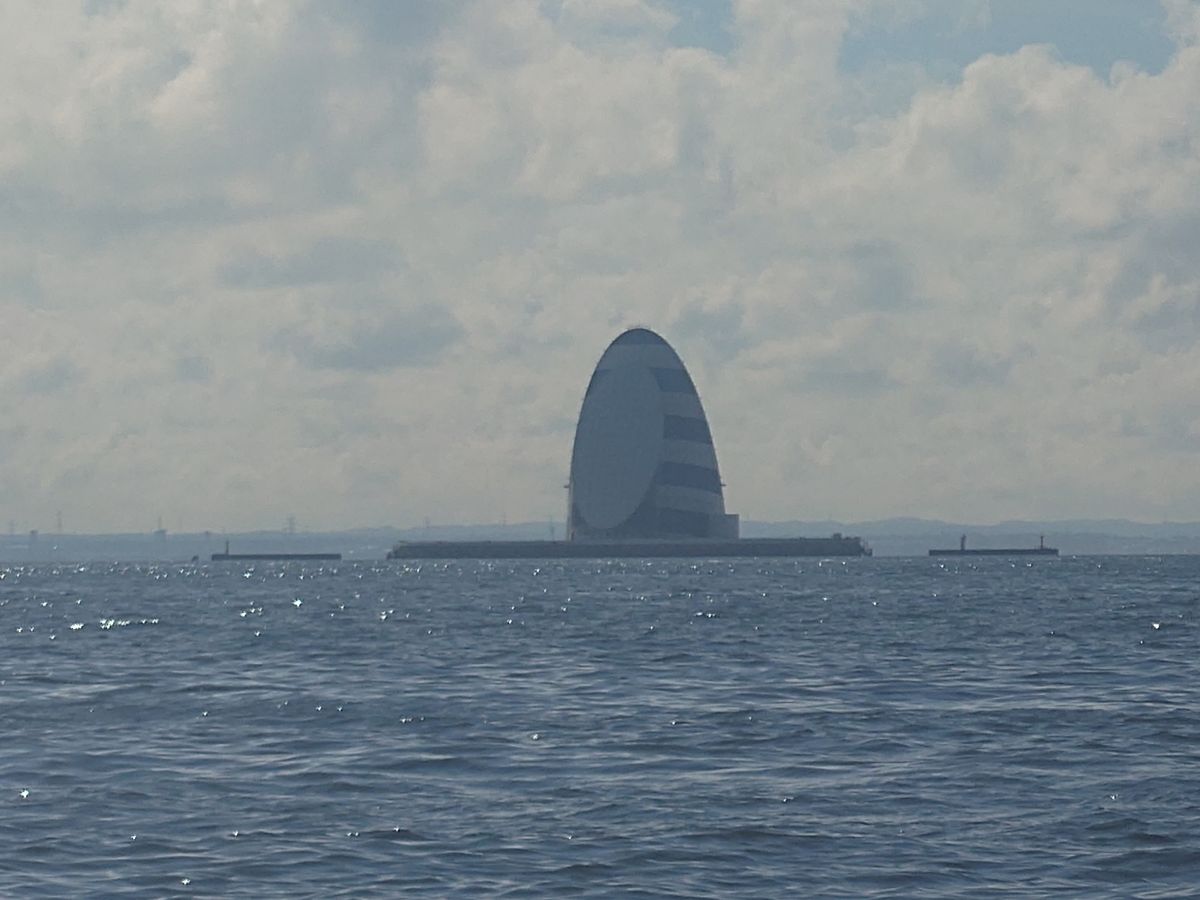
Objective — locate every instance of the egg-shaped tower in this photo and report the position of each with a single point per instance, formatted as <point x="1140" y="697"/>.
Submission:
<point x="643" y="464"/>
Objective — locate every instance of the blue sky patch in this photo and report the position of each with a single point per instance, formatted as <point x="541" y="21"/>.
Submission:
<point x="702" y="23"/>
<point x="1094" y="33"/>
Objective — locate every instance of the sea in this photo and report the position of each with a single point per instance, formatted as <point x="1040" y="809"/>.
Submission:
<point x="873" y="727"/>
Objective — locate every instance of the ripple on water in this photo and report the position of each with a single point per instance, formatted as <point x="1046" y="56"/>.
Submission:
<point x="872" y="727"/>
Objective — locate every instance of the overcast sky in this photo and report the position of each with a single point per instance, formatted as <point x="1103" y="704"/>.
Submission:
<point x="355" y="262"/>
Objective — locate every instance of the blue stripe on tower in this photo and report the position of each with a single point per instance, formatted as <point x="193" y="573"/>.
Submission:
<point x="687" y="475"/>
<point x="682" y="428"/>
<point x="674" y="381"/>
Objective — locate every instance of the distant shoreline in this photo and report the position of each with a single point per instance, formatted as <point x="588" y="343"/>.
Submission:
<point x="891" y="537"/>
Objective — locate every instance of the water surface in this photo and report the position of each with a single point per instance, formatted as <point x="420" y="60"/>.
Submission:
<point x="748" y="728"/>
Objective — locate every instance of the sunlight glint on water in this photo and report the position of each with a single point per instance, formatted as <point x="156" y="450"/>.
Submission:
<point x="870" y="727"/>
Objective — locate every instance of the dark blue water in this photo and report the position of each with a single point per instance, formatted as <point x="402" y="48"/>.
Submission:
<point x="901" y="728"/>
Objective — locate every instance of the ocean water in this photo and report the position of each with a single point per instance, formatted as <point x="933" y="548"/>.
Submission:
<point x="750" y="728"/>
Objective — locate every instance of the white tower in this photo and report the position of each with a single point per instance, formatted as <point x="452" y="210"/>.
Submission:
<point x="643" y="465"/>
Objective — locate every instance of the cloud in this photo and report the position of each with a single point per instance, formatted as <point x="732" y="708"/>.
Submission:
<point x="395" y="339"/>
<point x="1183" y="21"/>
<point x="49" y="377"/>
<point x="193" y="368"/>
<point x="270" y="248"/>
<point x="964" y="364"/>
<point x="330" y="258"/>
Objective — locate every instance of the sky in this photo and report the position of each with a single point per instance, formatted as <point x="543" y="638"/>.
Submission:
<point x="354" y="262"/>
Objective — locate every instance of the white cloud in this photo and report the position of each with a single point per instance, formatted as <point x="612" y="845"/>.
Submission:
<point x="1183" y="20"/>
<point x="356" y="263"/>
